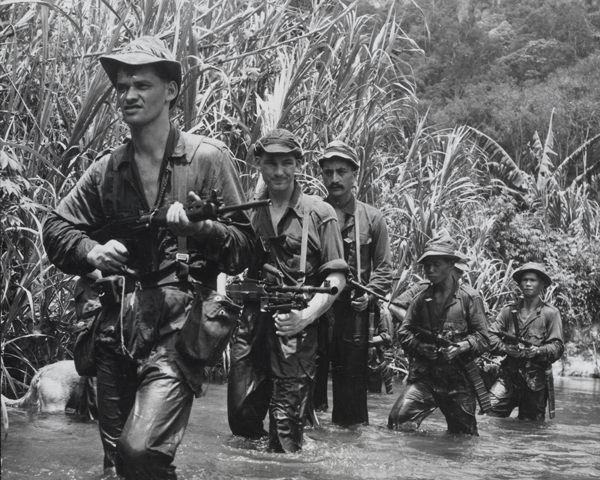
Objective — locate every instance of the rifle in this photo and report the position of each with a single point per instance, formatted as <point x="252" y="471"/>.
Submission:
<point x="358" y="286"/>
<point x="522" y="344"/>
<point x="513" y="340"/>
<point x="127" y="228"/>
<point x="275" y="298"/>
<point x="470" y="368"/>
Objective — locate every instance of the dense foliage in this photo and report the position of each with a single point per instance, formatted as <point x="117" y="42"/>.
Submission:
<point x="325" y="70"/>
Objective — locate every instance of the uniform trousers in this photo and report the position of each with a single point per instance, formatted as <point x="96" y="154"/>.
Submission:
<point x="270" y="374"/>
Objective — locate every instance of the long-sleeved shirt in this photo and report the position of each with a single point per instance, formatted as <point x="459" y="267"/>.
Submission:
<point x="375" y="256"/>
<point x="462" y="318"/>
<point x="111" y="189"/>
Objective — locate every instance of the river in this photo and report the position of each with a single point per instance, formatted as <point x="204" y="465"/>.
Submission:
<point x="60" y="446"/>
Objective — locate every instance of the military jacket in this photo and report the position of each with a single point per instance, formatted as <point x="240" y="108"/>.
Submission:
<point x="282" y="248"/>
<point x="375" y="256"/>
<point x="462" y="318"/>
<point x="111" y="188"/>
<point x="543" y="328"/>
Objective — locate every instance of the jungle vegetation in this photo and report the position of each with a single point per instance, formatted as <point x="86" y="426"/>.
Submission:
<point x="489" y="135"/>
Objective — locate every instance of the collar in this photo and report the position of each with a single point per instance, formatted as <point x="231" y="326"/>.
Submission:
<point x="295" y="202"/>
<point x="349" y="208"/>
<point x="175" y="148"/>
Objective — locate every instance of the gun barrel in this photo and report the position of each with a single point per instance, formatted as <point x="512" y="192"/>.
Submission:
<point x="301" y="289"/>
<point x="512" y="339"/>
<point x="244" y="206"/>
<point x="355" y="284"/>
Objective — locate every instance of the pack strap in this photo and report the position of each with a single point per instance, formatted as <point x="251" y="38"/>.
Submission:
<point x="304" y="244"/>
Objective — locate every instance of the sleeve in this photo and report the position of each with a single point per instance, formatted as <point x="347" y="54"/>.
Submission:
<point x="478" y="336"/>
<point x="232" y="243"/>
<point x="408" y="340"/>
<point x="497" y="346"/>
<point x="65" y="230"/>
<point x="380" y="280"/>
<point x="332" y="249"/>
<point x="553" y="347"/>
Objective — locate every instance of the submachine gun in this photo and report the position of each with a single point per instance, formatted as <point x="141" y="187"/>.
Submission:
<point x="522" y="345"/>
<point x="470" y="368"/>
<point x="275" y="297"/>
<point x="212" y="208"/>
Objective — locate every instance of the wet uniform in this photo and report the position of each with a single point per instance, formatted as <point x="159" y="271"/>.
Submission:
<point x="139" y="369"/>
<point x="269" y="372"/>
<point x="438" y="383"/>
<point x="348" y="349"/>
<point x="523" y="382"/>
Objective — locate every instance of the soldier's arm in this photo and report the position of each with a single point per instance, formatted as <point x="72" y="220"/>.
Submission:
<point x="553" y="346"/>
<point x="380" y="280"/>
<point x="65" y="230"/>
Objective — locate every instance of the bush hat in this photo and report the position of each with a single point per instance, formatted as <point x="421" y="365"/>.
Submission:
<point x="441" y="245"/>
<point x="278" y="141"/>
<point x="146" y="50"/>
<point x="339" y="149"/>
<point x="532" y="267"/>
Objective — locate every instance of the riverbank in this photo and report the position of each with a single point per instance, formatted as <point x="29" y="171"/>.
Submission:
<point x="579" y="361"/>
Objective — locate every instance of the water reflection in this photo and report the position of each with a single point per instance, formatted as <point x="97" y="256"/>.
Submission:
<point x="568" y="447"/>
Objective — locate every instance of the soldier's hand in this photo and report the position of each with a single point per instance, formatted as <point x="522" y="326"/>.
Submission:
<point x="109" y="258"/>
<point x="513" y="351"/>
<point x="360" y="303"/>
<point x="530" y="352"/>
<point x="290" y="324"/>
<point x="179" y="223"/>
<point x="454" y="350"/>
<point x="427" y="350"/>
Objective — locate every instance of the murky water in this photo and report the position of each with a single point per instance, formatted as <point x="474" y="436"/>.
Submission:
<point x="58" y="446"/>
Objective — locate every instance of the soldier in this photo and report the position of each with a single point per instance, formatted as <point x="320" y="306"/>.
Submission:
<point x="367" y="251"/>
<point x="273" y="355"/>
<point x="453" y="310"/>
<point x="537" y="342"/>
<point x="145" y="386"/>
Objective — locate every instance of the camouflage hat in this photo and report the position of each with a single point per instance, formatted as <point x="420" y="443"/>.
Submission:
<point x="462" y="264"/>
<point x="442" y="245"/>
<point x="144" y="50"/>
<point x="534" y="267"/>
<point x="339" y="149"/>
<point x="278" y="141"/>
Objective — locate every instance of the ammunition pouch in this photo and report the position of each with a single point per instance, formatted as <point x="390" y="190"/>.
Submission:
<point x="112" y="288"/>
<point x="210" y="323"/>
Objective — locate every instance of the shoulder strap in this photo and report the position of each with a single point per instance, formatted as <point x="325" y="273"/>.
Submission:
<point x="357" y="240"/>
<point x="304" y="244"/>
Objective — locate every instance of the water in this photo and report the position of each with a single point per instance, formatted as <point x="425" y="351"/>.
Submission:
<point x="59" y="446"/>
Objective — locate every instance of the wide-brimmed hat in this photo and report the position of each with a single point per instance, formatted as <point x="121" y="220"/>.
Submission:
<point x="532" y="267"/>
<point x="442" y="245"/>
<point x="144" y="50"/>
<point x="339" y="149"/>
<point x="278" y="141"/>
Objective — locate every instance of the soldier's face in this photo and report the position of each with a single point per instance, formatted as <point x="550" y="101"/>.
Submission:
<point x="438" y="269"/>
<point x="338" y="176"/>
<point x="278" y="171"/>
<point x="531" y="285"/>
<point x="142" y="95"/>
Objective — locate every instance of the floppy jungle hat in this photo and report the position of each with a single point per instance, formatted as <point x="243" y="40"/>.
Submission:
<point x="278" y="141"/>
<point x="339" y="149"/>
<point x="144" y="50"/>
<point x="532" y="267"/>
<point x="441" y="245"/>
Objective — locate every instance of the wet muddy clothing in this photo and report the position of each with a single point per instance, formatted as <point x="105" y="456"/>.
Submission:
<point x="135" y="339"/>
<point x="523" y="382"/>
<point x="269" y="372"/>
<point x="438" y="383"/>
<point x="348" y="349"/>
